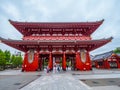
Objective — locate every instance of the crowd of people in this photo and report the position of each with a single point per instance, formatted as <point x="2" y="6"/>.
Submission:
<point x="56" y="67"/>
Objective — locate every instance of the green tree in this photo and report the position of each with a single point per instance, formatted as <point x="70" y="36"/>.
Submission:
<point x="2" y="60"/>
<point x="16" y="61"/>
<point x="19" y="61"/>
<point x="117" y="50"/>
<point x="7" y="55"/>
<point x="12" y="60"/>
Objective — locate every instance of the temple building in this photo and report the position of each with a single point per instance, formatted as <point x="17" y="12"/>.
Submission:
<point x="106" y="60"/>
<point x="49" y="43"/>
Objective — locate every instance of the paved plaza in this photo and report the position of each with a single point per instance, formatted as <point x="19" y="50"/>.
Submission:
<point x="69" y="80"/>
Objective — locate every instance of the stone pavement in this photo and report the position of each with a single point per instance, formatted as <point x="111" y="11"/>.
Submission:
<point x="56" y="82"/>
<point x="69" y="80"/>
<point x="15" y="82"/>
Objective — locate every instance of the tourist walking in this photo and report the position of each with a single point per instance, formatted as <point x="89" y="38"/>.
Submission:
<point x="67" y="66"/>
<point x="47" y="69"/>
<point x="58" y="67"/>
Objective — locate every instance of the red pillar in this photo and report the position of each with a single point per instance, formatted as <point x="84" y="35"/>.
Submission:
<point x="35" y="62"/>
<point x="79" y="65"/>
<point x="107" y="64"/>
<point x="64" y="62"/>
<point x="118" y="65"/>
<point x="88" y="62"/>
<point x="50" y="64"/>
<point x="96" y="64"/>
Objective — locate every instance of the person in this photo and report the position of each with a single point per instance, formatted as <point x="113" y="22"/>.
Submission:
<point x="58" y="67"/>
<point x="67" y="66"/>
<point x="47" y="69"/>
<point x="55" y="66"/>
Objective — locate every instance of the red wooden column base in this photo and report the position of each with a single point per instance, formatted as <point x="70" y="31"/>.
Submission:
<point x="50" y="64"/>
<point x="64" y="62"/>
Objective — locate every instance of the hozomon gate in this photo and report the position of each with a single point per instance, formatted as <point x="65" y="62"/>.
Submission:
<point x="56" y="39"/>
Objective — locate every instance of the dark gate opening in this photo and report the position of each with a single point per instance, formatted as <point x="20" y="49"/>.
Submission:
<point x="43" y="61"/>
<point x="57" y="60"/>
<point x="70" y="61"/>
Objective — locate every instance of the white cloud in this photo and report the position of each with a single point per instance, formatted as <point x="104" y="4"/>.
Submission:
<point x="64" y="11"/>
<point x="7" y="30"/>
<point x="11" y="10"/>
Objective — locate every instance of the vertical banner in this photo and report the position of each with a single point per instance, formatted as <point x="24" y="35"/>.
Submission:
<point x="30" y="56"/>
<point x="83" y="55"/>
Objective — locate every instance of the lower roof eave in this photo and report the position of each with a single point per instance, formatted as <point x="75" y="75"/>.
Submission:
<point x="89" y="44"/>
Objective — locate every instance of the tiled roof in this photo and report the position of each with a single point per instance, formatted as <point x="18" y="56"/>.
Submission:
<point x="102" y="56"/>
<point x="91" y="57"/>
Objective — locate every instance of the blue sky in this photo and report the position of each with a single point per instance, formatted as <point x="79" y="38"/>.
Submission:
<point x="62" y="11"/>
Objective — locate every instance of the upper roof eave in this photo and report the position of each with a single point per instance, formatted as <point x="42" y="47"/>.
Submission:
<point x="33" y="23"/>
<point x="22" y="25"/>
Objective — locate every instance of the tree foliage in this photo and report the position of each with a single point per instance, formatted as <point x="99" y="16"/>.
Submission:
<point x="8" y="60"/>
<point x="117" y="50"/>
<point x="7" y="55"/>
<point x="2" y="60"/>
<point x="16" y="61"/>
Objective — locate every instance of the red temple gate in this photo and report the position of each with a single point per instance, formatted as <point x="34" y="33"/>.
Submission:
<point x="43" y="41"/>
